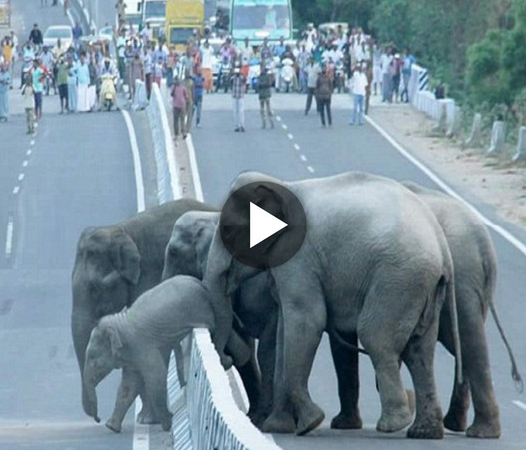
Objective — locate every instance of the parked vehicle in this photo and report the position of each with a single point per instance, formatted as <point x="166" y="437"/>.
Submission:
<point x="287" y="74"/>
<point x="55" y="32"/>
<point x="108" y="91"/>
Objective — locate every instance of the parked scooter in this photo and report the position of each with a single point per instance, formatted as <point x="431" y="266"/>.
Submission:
<point x="287" y="74"/>
<point x="108" y="91"/>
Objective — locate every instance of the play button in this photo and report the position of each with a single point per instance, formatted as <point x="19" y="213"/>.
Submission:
<point x="262" y="224"/>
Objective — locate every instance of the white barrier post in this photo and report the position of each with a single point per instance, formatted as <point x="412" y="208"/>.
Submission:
<point x="498" y="136"/>
<point x="475" y="137"/>
<point x="521" y="146"/>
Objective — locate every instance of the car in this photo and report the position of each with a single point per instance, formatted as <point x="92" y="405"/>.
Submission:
<point x="106" y="34"/>
<point x="55" y="32"/>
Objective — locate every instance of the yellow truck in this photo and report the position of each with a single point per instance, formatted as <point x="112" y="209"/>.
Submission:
<point x="183" y="17"/>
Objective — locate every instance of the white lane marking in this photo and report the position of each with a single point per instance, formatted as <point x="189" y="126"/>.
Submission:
<point x="290" y="136"/>
<point x="36" y="124"/>
<point x="310" y="169"/>
<point x="32" y="142"/>
<point x="28" y="153"/>
<point x="193" y="166"/>
<point x="497" y="228"/>
<point x="21" y="177"/>
<point x="303" y="158"/>
<point x="70" y="16"/>
<point x="278" y="118"/>
<point x="284" y="126"/>
<point x="16" y="190"/>
<point x="25" y="163"/>
<point x="297" y="147"/>
<point x="136" y="161"/>
<point x="9" y="238"/>
<point x="519" y="404"/>
<point x="141" y="433"/>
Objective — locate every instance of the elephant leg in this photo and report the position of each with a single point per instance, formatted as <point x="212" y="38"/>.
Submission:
<point x="419" y="356"/>
<point x="347" y="370"/>
<point x="128" y="390"/>
<point x="155" y="373"/>
<point x="146" y="414"/>
<point x="303" y="314"/>
<point x="251" y="378"/>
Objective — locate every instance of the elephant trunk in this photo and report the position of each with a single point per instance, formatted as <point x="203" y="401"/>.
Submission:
<point x="90" y="407"/>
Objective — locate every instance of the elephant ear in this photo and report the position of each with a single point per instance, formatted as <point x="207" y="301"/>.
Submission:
<point x="115" y="346"/>
<point x="125" y="257"/>
<point x="205" y="234"/>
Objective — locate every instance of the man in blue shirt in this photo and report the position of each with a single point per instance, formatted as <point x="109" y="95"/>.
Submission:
<point x="408" y="62"/>
<point x="199" y="83"/>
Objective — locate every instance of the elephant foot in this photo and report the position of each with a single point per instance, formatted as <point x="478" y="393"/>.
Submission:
<point x="347" y="421"/>
<point x="147" y="418"/>
<point x="166" y="423"/>
<point x="309" y="417"/>
<point x="257" y="417"/>
<point x="484" y="429"/>
<point x="455" y="422"/>
<point x="113" y="425"/>
<point x="389" y="423"/>
<point x="426" y="430"/>
<point x="279" y="423"/>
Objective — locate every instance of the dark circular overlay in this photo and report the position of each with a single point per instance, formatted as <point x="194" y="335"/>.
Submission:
<point x="234" y="225"/>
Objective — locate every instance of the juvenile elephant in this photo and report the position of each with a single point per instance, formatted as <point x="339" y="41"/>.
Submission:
<point x="255" y="308"/>
<point x="140" y="339"/>
<point x="374" y="265"/>
<point x="113" y="266"/>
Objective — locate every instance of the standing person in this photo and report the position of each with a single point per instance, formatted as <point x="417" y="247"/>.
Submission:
<point x="83" y="80"/>
<point x="178" y="106"/>
<point x="359" y="84"/>
<point x="264" y="85"/>
<point x="38" y="77"/>
<point x="121" y="57"/>
<point x="387" y="77"/>
<point x="238" y="93"/>
<point x="396" y="72"/>
<point x="62" y="84"/>
<point x="77" y="34"/>
<point x="409" y="60"/>
<point x="199" y="84"/>
<point x="369" y="75"/>
<point x="28" y="55"/>
<point x="189" y="112"/>
<point x="247" y="53"/>
<point x="323" y="94"/>
<point x="14" y="40"/>
<point x="35" y="36"/>
<point x="207" y="56"/>
<point x="9" y="57"/>
<point x="145" y="35"/>
<point x="148" y="69"/>
<point x="120" y="6"/>
<point x="303" y="62"/>
<point x="313" y="71"/>
<point x="72" y="87"/>
<point x="377" y="67"/>
<point x="265" y="53"/>
<point x="158" y="69"/>
<point x="48" y="61"/>
<point x="136" y="73"/>
<point x="5" y="82"/>
<point x="29" y="103"/>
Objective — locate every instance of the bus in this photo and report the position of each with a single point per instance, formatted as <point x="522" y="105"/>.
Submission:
<point x="154" y="13"/>
<point x="259" y="19"/>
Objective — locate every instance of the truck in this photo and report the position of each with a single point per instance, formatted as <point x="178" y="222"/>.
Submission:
<point x="154" y="15"/>
<point x="183" y="17"/>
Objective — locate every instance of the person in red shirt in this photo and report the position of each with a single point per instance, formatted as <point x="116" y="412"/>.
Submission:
<point x="179" y="100"/>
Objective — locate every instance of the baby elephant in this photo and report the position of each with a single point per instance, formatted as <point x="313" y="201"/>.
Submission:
<point x="140" y="338"/>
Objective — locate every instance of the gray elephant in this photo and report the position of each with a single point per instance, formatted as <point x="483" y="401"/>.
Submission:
<point x="475" y="279"/>
<point x="255" y="308"/>
<point x="140" y="339"/>
<point x="374" y="265"/>
<point x="113" y="266"/>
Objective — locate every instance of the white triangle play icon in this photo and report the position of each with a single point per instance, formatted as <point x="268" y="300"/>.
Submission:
<point x="262" y="225"/>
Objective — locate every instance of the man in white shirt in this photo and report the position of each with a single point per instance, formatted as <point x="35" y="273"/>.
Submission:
<point x="207" y="61"/>
<point x="358" y="85"/>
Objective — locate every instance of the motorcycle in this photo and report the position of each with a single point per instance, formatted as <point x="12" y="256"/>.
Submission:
<point x="339" y="77"/>
<point x="223" y="79"/>
<point x="287" y="74"/>
<point x="108" y="92"/>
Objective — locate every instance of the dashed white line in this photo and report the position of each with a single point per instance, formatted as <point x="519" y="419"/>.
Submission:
<point x="25" y="163"/>
<point x="9" y="238"/>
<point x="284" y="126"/>
<point x="16" y="190"/>
<point x="28" y="153"/>
<point x="278" y="118"/>
<point x="21" y="177"/>
<point x="310" y="169"/>
<point x="198" y="189"/>
<point x="297" y="147"/>
<point x="32" y="142"/>
<point x="303" y="158"/>
<point x="290" y="136"/>
<point x="519" y="404"/>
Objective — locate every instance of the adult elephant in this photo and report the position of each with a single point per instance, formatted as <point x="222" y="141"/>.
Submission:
<point x="113" y="266"/>
<point x="255" y="308"/>
<point x="374" y="265"/>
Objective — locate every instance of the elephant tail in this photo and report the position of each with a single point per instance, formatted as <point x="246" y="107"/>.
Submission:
<point x="452" y="305"/>
<point x="519" y="384"/>
<point x="336" y="334"/>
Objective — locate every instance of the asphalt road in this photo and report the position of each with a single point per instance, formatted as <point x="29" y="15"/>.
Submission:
<point x="299" y="148"/>
<point x="76" y="172"/>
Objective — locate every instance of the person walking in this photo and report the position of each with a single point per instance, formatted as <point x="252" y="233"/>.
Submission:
<point x="148" y="69"/>
<point x="83" y="80"/>
<point x="387" y="78"/>
<point x="28" y="93"/>
<point x="199" y="84"/>
<point x="408" y="62"/>
<point x="265" y="83"/>
<point x="62" y="84"/>
<point x="323" y="94"/>
<point x="207" y="57"/>
<point x="178" y="106"/>
<point x="189" y="112"/>
<point x="35" y="36"/>
<point x="238" y="94"/>
<point x="313" y="71"/>
<point x="136" y="71"/>
<point x="5" y="83"/>
<point x="359" y="84"/>
<point x="38" y="76"/>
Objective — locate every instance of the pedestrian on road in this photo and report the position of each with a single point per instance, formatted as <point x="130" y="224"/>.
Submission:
<point x="148" y="70"/>
<point x="8" y="51"/>
<point x="5" y="82"/>
<point x="136" y="73"/>
<point x="396" y="71"/>
<point x="178" y="106"/>
<point x="264" y="85"/>
<point x="83" y="81"/>
<point x="29" y="103"/>
<point x="409" y="60"/>
<point x="313" y="71"/>
<point x="35" y="36"/>
<point x="207" y="56"/>
<point x="199" y="84"/>
<point x="72" y="87"/>
<point x="323" y="92"/>
<point x="188" y="84"/>
<point x="77" y="34"/>
<point x="238" y="93"/>
<point x="358" y="85"/>
<point x="387" y="76"/>
<point x="62" y="84"/>
<point x="38" y="76"/>
<point x="158" y="69"/>
<point x="121" y="57"/>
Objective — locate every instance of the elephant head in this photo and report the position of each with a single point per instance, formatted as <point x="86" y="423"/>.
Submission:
<point x="107" y="266"/>
<point x="103" y="354"/>
<point x="187" y="250"/>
